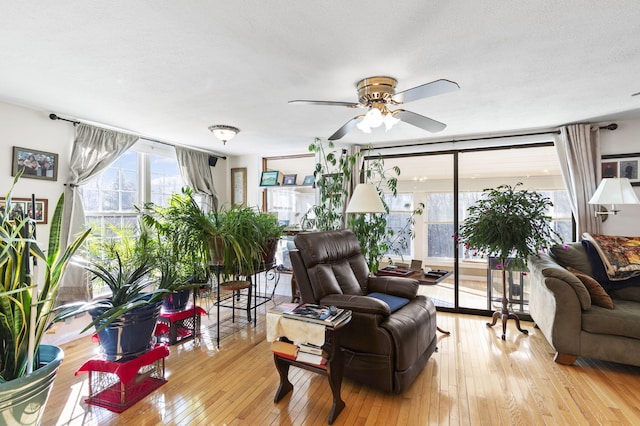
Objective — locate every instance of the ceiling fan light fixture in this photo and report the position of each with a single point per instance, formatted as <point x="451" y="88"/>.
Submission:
<point x="390" y="121"/>
<point x="362" y="125"/>
<point x="223" y="132"/>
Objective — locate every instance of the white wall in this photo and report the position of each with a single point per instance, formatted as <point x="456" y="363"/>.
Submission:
<point x="28" y="128"/>
<point x="624" y="140"/>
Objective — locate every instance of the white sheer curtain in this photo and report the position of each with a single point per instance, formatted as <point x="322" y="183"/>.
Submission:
<point x="94" y="149"/>
<point x="578" y="148"/>
<point x="196" y="172"/>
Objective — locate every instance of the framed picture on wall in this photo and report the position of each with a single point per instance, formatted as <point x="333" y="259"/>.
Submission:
<point x="21" y="206"/>
<point x="270" y="178"/>
<point x="36" y="164"/>
<point x="623" y="166"/>
<point x="289" y="179"/>
<point x="309" y="180"/>
<point x="239" y="186"/>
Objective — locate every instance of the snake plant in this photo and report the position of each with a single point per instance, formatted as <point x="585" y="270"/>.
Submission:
<point x="18" y="285"/>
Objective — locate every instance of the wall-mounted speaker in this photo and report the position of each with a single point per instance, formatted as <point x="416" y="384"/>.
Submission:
<point x="213" y="160"/>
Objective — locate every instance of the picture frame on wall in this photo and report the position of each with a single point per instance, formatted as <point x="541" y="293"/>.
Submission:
<point x="622" y="166"/>
<point x="289" y="180"/>
<point x="309" y="180"/>
<point x="239" y="186"/>
<point x="270" y="178"/>
<point x="36" y="164"/>
<point x="20" y="206"/>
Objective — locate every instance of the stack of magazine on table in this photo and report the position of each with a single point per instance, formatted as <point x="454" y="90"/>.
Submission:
<point x="303" y="352"/>
<point x="317" y="314"/>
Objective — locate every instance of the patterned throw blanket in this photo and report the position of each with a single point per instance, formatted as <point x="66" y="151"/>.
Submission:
<point x="620" y="255"/>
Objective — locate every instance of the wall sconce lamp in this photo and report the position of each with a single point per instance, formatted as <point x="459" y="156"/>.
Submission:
<point x="612" y="191"/>
<point x="223" y="132"/>
<point x="365" y="199"/>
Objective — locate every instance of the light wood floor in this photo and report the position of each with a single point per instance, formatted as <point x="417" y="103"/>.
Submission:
<point x="475" y="378"/>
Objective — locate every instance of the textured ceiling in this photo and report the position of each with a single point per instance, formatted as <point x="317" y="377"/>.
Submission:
<point x="168" y="70"/>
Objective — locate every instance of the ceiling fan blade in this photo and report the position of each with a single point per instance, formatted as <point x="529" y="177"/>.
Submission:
<point x="330" y="103"/>
<point x="434" y="88"/>
<point x="426" y="123"/>
<point x="349" y="125"/>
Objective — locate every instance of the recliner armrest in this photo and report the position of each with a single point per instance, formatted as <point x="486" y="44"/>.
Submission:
<point x="362" y="304"/>
<point x="396" y="286"/>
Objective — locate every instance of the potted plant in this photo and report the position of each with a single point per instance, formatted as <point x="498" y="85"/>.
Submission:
<point x="332" y="172"/>
<point x="126" y="319"/>
<point x="269" y="231"/>
<point x="181" y="251"/>
<point x="27" y="368"/>
<point x="511" y="225"/>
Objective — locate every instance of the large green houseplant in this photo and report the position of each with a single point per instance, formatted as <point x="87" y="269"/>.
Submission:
<point x="333" y="172"/>
<point x="510" y="224"/>
<point x="137" y="278"/>
<point x="25" y="312"/>
<point x="234" y="239"/>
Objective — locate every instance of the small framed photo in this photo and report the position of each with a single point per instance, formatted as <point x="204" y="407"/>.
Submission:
<point x="270" y="178"/>
<point x="36" y="164"/>
<point x="289" y="179"/>
<point x="622" y="166"/>
<point x="22" y="206"/>
<point x="309" y="180"/>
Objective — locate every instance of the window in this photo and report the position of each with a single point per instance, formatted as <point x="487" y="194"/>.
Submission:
<point x="398" y="220"/>
<point x="138" y="176"/>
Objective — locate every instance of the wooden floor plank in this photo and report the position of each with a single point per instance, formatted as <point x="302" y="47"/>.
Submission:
<point x="475" y="378"/>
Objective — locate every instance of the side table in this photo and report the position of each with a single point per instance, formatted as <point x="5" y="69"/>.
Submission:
<point x="334" y="369"/>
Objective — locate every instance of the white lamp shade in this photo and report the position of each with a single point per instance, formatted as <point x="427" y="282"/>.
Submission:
<point x="614" y="191"/>
<point x="365" y="199"/>
<point x="224" y="134"/>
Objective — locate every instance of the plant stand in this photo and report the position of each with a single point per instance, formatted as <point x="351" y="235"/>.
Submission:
<point x="504" y="313"/>
<point x="117" y="386"/>
<point x="174" y="327"/>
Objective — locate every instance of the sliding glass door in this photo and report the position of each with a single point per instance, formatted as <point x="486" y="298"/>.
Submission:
<point x="448" y="184"/>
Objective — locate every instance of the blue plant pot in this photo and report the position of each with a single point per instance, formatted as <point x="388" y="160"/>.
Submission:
<point x="23" y="400"/>
<point x="130" y="335"/>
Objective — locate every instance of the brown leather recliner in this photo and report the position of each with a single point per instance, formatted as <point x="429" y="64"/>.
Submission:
<point x="383" y="350"/>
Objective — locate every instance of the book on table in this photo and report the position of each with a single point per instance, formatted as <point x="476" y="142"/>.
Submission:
<point x="311" y="358"/>
<point x="311" y="349"/>
<point x="318" y="314"/>
<point x="284" y="349"/>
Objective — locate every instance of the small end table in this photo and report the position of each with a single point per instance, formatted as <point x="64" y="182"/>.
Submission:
<point x="334" y="370"/>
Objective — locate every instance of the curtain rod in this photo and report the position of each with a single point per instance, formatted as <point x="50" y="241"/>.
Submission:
<point x="76" y="122"/>
<point x="612" y="126"/>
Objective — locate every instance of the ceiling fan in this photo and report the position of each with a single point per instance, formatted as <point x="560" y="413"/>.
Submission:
<point x="376" y="93"/>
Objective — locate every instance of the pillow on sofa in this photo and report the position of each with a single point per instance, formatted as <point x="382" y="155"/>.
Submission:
<point x="574" y="255"/>
<point x="599" y="296"/>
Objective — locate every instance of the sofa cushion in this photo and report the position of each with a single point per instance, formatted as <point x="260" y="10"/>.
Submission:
<point x="621" y="321"/>
<point x="599" y="296"/>
<point x="551" y="269"/>
<point x="627" y="293"/>
<point x="574" y="255"/>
